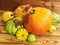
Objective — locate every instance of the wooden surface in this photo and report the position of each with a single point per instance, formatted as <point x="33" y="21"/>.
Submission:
<point x="44" y="39"/>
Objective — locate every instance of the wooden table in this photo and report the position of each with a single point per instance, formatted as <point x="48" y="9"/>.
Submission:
<point x="44" y="39"/>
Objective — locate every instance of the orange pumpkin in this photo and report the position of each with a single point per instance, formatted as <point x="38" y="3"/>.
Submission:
<point x="21" y="10"/>
<point x="38" y="21"/>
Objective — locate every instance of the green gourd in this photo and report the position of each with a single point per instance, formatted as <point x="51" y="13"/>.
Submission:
<point x="10" y="25"/>
<point x="56" y="19"/>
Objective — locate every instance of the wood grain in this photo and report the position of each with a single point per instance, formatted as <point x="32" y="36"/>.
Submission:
<point x="56" y="7"/>
<point x="8" y="4"/>
<point x="44" y="39"/>
<point x="11" y="44"/>
<point x="2" y="23"/>
<point x="52" y="0"/>
<point x="9" y="39"/>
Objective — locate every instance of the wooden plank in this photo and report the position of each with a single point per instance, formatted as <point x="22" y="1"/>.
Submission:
<point x="48" y="3"/>
<point x="56" y="10"/>
<point x="10" y="44"/>
<point x="2" y="29"/>
<point x="49" y="40"/>
<point x="9" y="39"/>
<point x="52" y="0"/>
<point x="56" y="6"/>
<point x="22" y="44"/>
<point x="33" y="3"/>
<point x="1" y="12"/>
<point x="2" y="23"/>
<point x="8" y="4"/>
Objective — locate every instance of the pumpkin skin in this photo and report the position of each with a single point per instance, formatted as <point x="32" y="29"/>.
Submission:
<point x="39" y="22"/>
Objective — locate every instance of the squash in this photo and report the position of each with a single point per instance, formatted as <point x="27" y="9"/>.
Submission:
<point x="56" y="19"/>
<point x="22" y="10"/>
<point x="22" y="34"/>
<point x="39" y="20"/>
<point x="7" y="16"/>
<point x="52" y="29"/>
<point x="12" y="26"/>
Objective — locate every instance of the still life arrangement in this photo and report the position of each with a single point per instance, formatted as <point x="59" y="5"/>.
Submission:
<point x="25" y="22"/>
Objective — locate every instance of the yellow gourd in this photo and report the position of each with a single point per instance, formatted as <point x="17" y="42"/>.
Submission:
<point x="7" y="16"/>
<point x="22" y="34"/>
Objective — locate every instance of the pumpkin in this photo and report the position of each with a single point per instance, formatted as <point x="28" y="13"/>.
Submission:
<point x="38" y="21"/>
<point x="13" y="25"/>
<point x="22" y="10"/>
